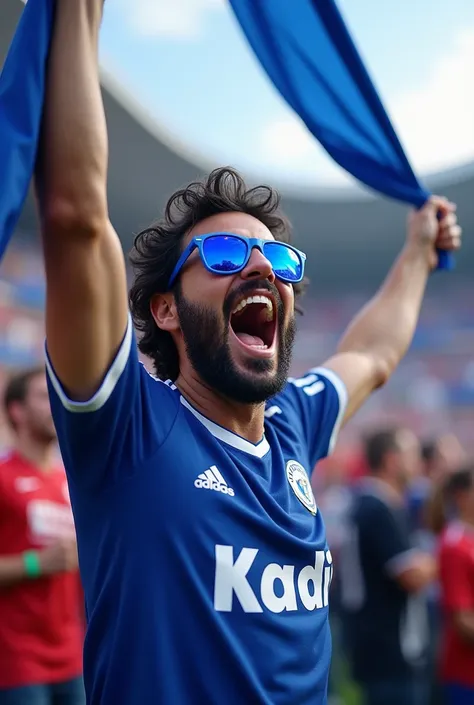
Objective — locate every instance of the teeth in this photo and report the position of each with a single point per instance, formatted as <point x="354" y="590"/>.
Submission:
<point x="267" y="312"/>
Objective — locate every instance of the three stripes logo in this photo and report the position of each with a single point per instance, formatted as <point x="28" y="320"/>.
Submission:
<point x="212" y="480"/>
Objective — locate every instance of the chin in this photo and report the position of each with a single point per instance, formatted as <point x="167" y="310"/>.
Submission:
<point x="252" y="383"/>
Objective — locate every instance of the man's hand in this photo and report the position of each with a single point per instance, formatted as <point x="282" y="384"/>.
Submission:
<point x="435" y="226"/>
<point x="61" y="557"/>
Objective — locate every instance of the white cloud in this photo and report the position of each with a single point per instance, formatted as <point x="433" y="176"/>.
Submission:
<point x="287" y="145"/>
<point x="180" y="19"/>
<point x="434" y="122"/>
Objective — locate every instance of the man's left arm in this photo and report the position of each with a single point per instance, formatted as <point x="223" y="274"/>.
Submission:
<point x="379" y="336"/>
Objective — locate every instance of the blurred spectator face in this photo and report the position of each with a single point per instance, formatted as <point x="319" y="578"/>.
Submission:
<point x="448" y="456"/>
<point x="464" y="503"/>
<point x="33" y="414"/>
<point x="405" y="461"/>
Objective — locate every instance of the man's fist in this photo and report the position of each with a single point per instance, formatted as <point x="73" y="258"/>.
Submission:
<point x="435" y="226"/>
<point x="61" y="557"/>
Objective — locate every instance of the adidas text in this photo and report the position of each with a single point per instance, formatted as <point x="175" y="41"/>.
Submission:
<point x="213" y="480"/>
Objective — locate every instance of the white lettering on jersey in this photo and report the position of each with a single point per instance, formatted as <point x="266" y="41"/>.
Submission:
<point x="212" y="479"/>
<point x="310" y="384"/>
<point x="230" y="578"/>
<point x="284" y="574"/>
<point x="49" y="521"/>
<point x="271" y="411"/>
<point x="312" y="583"/>
<point x="27" y="484"/>
<point x="312" y="598"/>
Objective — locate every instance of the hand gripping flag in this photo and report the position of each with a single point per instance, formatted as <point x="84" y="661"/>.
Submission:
<point x="308" y="53"/>
<point x="22" y="83"/>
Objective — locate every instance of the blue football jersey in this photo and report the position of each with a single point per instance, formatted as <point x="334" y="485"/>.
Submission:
<point x="203" y="556"/>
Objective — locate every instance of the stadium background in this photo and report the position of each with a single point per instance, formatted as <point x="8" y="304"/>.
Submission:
<point x="350" y="239"/>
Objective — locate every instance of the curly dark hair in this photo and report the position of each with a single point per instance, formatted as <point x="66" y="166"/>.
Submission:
<point x="158" y="248"/>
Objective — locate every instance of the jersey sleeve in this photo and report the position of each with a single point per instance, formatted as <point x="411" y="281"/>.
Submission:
<point x="107" y="437"/>
<point x="314" y="405"/>
<point x="456" y="578"/>
<point x="386" y="539"/>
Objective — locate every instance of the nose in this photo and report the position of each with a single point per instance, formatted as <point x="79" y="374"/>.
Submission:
<point x="258" y="267"/>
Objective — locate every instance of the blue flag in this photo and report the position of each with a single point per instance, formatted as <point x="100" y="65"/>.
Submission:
<point x="308" y="53"/>
<point x="22" y="83"/>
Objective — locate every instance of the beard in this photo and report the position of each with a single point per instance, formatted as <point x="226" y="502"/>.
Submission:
<point x="206" y="336"/>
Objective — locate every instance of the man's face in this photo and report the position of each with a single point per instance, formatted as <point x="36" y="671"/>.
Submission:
<point x="238" y="330"/>
<point x="36" y="411"/>
<point x="408" y="457"/>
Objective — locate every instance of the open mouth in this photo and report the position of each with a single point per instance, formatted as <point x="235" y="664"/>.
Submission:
<point x="253" y="321"/>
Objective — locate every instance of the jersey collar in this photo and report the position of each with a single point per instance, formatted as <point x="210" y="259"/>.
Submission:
<point x="259" y="450"/>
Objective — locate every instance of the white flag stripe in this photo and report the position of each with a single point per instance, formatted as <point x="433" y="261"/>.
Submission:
<point x="216" y="472"/>
<point x="202" y="476"/>
<point x="210" y="476"/>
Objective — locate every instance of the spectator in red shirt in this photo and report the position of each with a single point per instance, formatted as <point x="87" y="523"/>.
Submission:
<point x="456" y="559"/>
<point x="41" y="626"/>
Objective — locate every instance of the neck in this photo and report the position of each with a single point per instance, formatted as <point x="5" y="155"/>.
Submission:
<point x="245" y="420"/>
<point x="391" y="485"/>
<point x="36" y="452"/>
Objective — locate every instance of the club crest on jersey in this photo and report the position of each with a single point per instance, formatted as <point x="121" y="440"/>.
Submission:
<point x="300" y="484"/>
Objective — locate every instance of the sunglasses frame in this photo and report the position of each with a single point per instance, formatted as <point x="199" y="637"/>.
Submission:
<point x="253" y="242"/>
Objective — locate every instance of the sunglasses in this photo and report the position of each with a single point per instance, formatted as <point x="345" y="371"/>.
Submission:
<point x="225" y="253"/>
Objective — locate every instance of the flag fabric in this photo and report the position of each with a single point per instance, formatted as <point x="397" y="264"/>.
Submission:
<point x="22" y="84"/>
<point x="306" y="49"/>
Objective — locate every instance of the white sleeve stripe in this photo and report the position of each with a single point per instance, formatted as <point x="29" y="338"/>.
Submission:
<point x="341" y="390"/>
<point x="106" y="388"/>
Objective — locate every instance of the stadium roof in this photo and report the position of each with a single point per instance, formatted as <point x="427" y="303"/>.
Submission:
<point x="349" y="236"/>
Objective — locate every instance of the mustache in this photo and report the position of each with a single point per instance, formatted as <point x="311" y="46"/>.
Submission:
<point x="249" y="287"/>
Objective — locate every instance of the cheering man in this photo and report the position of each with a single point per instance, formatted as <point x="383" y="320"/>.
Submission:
<point x="202" y="552"/>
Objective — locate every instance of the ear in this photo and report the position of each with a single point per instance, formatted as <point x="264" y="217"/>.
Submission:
<point x="163" y="310"/>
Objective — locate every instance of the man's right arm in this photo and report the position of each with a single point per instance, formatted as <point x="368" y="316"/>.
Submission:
<point x="419" y="571"/>
<point x="86" y="304"/>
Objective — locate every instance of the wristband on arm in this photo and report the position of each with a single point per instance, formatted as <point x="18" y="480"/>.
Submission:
<point x="32" y="564"/>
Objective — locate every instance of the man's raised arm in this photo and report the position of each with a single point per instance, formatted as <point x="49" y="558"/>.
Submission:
<point x="380" y="335"/>
<point x="86" y="306"/>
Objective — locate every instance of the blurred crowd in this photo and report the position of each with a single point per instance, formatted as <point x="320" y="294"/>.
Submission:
<point x="397" y="498"/>
<point x="401" y="531"/>
<point x="433" y="390"/>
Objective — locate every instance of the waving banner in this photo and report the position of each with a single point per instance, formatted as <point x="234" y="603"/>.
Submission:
<point x="305" y="48"/>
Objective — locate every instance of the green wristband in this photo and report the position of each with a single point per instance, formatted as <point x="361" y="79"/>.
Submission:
<point x="32" y="564"/>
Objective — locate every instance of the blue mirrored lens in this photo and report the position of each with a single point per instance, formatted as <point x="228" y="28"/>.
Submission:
<point x="224" y="253"/>
<point x="286" y="263"/>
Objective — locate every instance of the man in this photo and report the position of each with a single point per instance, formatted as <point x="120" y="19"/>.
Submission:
<point x="202" y="553"/>
<point x="383" y="577"/>
<point x="42" y="624"/>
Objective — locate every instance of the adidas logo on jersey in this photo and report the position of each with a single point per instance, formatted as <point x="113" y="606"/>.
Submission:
<point x="212" y="480"/>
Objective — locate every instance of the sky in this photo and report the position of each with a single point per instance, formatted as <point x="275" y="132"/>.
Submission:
<point x="188" y="66"/>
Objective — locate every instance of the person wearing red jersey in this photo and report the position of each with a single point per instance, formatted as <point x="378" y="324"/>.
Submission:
<point x="41" y="625"/>
<point x="456" y="560"/>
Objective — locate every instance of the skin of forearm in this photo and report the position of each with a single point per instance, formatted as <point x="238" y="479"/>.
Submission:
<point x="73" y="151"/>
<point x="12" y="570"/>
<point x="386" y="325"/>
<point x="465" y="625"/>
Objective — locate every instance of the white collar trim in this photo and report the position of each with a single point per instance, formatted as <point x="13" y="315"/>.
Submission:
<point x="232" y="439"/>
